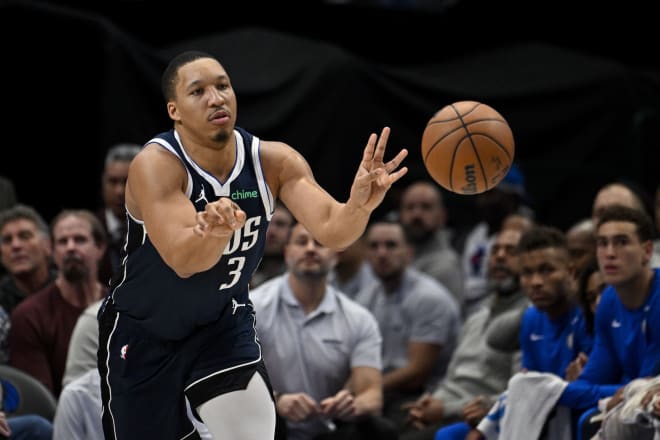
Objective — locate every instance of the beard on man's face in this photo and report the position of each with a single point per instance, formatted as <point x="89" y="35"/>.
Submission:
<point x="73" y="269"/>
<point x="417" y="233"/>
<point x="504" y="286"/>
<point x="222" y="136"/>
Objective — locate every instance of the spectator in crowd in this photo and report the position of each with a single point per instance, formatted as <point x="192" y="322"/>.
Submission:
<point x="625" y="194"/>
<point x="25" y="250"/>
<point x="25" y="253"/>
<point x="25" y="427"/>
<point x="113" y="212"/>
<point x="424" y="216"/>
<point x="627" y="343"/>
<point x="581" y="240"/>
<point x="476" y="370"/>
<point x="553" y="335"/>
<point x="272" y="263"/>
<point x="42" y="324"/>
<point x="84" y="343"/>
<point x="78" y="413"/>
<point x="493" y="206"/>
<point x="590" y="287"/>
<point x="417" y="316"/>
<point x="352" y="272"/>
<point x="322" y="349"/>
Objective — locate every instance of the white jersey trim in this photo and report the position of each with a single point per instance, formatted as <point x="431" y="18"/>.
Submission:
<point x="264" y="190"/>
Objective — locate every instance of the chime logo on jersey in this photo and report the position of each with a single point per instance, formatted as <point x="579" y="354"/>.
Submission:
<point x="123" y="351"/>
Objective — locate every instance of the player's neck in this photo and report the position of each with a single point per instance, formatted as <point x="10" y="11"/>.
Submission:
<point x="633" y="293"/>
<point x="217" y="158"/>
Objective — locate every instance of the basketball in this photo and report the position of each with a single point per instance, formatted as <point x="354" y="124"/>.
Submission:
<point x="467" y="147"/>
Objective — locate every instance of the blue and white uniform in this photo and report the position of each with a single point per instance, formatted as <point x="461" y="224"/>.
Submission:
<point x="161" y="335"/>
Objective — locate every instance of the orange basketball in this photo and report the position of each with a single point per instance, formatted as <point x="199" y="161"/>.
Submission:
<point x="467" y="147"/>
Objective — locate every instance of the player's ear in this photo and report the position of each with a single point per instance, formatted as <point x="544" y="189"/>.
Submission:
<point x="172" y="111"/>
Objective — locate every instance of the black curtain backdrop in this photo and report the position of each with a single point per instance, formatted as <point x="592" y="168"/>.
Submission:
<point x="79" y="80"/>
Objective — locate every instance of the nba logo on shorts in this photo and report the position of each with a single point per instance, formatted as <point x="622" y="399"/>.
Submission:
<point x="124" y="350"/>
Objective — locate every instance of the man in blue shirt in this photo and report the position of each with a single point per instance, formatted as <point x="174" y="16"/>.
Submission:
<point x="553" y="331"/>
<point x="627" y="345"/>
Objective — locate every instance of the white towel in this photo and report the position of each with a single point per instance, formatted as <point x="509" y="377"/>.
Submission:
<point x="532" y="396"/>
<point x="630" y="419"/>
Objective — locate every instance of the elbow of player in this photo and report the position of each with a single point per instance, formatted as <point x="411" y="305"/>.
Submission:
<point x="185" y="268"/>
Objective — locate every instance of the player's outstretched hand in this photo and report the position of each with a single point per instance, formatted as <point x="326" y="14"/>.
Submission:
<point x="374" y="177"/>
<point x="220" y="218"/>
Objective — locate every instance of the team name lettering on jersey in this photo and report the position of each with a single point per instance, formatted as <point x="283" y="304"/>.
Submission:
<point x="242" y="240"/>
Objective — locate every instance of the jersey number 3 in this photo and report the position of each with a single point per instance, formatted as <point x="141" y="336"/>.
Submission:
<point x="237" y="263"/>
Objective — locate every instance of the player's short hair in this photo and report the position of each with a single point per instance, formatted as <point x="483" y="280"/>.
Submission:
<point x="542" y="237"/>
<point x="620" y="213"/>
<point x="169" y="77"/>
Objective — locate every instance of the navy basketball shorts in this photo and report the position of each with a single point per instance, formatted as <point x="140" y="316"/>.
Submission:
<point x="144" y="379"/>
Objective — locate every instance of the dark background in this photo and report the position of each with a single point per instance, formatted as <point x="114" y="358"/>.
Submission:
<point x="580" y="89"/>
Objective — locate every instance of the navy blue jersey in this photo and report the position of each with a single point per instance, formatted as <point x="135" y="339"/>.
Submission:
<point x="170" y="307"/>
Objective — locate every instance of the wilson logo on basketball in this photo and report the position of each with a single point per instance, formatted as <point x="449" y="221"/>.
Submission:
<point x="471" y="180"/>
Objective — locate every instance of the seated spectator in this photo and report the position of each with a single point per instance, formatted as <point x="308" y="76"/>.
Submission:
<point x="20" y="426"/>
<point x="272" y="263"/>
<point x="625" y="194"/>
<point x="25" y="427"/>
<point x="352" y="272"/>
<point x="423" y="214"/>
<point x="25" y="252"/>
<point x="493" y="207"/>
<point x="78" y="414"/>
<point x="417" y="316"/>
<point x="42" y="324"/>
<point x="476" y="370"/>
<point x="581" y="240"/>
<point x="323" y="350"/>
<point x="626" y="346"/>
<point x="552" y="336"/>
<point x="112" y="213"/>
<point x="590" y="287"/>
<point x="81" y="354"/>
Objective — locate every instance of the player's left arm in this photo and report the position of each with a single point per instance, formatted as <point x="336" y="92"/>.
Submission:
<point x="333" y="224"/>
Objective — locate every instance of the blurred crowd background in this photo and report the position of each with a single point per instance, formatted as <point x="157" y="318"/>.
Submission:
<point x="580" y="89"/>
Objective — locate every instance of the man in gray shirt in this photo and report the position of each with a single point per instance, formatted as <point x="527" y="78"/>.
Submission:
<point x="477" y="373"/>
<point x="322" y="349"/>
<point x="418" y="317"/>
<point x="423" y="214"/>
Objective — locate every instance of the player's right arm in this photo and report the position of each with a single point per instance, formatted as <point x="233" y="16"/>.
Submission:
<point x="189" y="242"/>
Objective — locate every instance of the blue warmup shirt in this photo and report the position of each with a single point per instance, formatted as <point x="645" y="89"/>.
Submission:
<point x="626" y="347"/>
<point x="547" y="345"/>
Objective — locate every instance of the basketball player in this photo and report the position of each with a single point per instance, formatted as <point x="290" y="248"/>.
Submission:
<point x="179" y="323"/>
